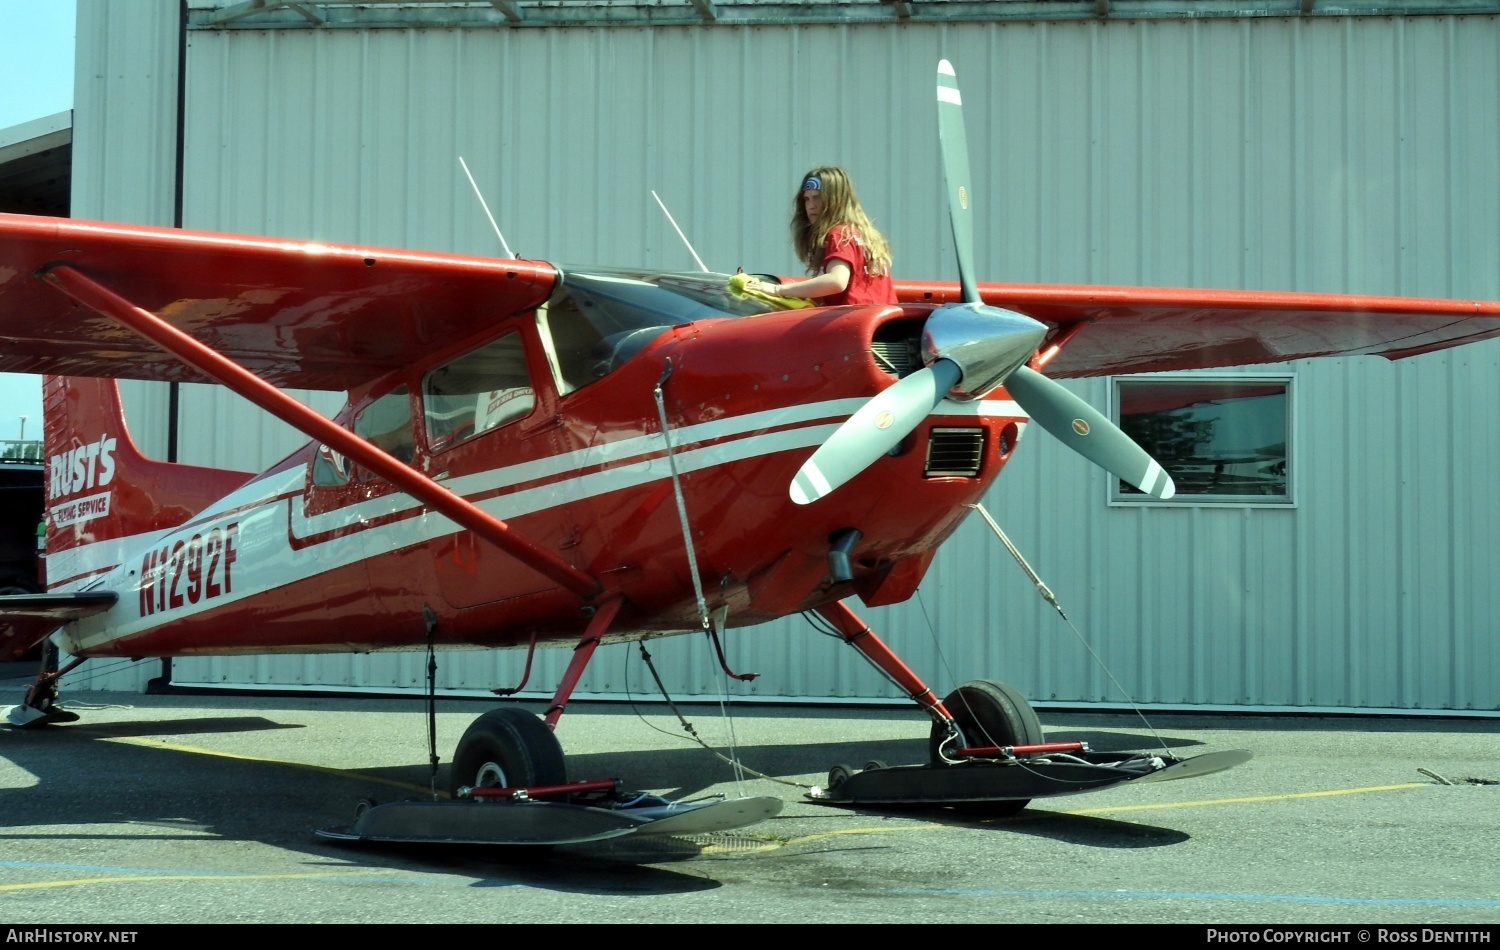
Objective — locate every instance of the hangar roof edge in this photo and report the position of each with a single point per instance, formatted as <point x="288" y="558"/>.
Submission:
<point x="36" y="166"/>
<point x="511" y="14"/>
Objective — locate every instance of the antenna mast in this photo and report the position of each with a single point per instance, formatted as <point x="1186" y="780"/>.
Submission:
<point x="485" y="206"/>
<point x="701" y="265"/>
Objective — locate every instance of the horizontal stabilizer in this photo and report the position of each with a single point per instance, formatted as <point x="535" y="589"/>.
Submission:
<point x="27" y="619"/>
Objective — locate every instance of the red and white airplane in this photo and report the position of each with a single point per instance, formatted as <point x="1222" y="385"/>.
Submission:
<point x="531" y="456"/>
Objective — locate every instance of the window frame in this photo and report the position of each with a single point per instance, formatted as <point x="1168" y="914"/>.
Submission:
<point x="438" y="446"/>
<point x="1115" y="498"/>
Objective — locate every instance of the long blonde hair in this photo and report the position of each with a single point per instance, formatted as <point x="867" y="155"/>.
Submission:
<point x="840" y="206"/>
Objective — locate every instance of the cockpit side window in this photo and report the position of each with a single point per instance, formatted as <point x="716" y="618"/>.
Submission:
<point x="481" y="390"/>
<point x="386" y="424"/>
<point x="571" y="341"/>
<point x="330" y="468"/>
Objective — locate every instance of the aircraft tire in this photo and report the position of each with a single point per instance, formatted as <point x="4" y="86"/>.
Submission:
<point x="838" y="775"/>
<point x="14" y="582"/>
<point x="507" y="748"/>
<point x="989" y="713"/>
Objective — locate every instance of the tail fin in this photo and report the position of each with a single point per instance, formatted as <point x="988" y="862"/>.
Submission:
<point x="101" y="491"/>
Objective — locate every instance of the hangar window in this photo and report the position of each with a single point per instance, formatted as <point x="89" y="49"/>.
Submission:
<point x="1223" y="439"/>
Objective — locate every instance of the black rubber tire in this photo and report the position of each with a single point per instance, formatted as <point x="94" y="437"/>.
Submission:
<point x="12" y="582"/>
<point x="838" y="775"/>
<point x="989" y="713"/>
<point x="507" y="748"/>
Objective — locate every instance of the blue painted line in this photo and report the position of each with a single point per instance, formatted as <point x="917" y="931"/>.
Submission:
<point x="353" y="875"/>
<point x="352" y="872"/>
<point x="1194" y="895"/>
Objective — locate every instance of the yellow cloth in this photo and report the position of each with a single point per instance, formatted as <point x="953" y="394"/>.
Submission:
<point x="739" y="285"/>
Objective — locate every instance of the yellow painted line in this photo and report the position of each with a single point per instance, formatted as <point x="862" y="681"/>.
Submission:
<point x="764" y="845"/>
<point x="143" y="878"/>
<point x="195" y="750"/>
<point x="864" y="831"/>
<point x="1242" y="801"/>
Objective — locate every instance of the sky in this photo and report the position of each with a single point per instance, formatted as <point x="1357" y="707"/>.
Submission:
<point x="36" y="80"/>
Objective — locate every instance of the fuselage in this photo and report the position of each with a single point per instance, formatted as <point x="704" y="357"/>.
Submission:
<point x="551" y="420"/>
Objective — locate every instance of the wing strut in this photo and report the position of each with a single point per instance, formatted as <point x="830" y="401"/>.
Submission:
<point x="92" y="294"/>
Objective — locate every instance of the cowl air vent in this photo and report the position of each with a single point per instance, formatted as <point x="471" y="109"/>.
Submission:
<point x="897" y="347"/>
<point x="954" y="453"/>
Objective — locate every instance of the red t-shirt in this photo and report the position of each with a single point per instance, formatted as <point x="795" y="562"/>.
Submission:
<point x="843" y="244"/>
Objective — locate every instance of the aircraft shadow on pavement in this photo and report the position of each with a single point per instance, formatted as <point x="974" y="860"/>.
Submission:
<point x="82" y="777"/>
<point x="282" y="804"/>
<point x="186" y="795"/>
<point x="218" y="725"/>
<point x="1091" y="831"/>
<point x="603" y="868"/>
<point x="692" y="770"/>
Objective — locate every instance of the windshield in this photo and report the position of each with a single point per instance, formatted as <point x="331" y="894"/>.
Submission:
<point x="596" y="320"/>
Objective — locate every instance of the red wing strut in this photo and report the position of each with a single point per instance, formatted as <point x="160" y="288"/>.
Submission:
<point x="89" y="292"/>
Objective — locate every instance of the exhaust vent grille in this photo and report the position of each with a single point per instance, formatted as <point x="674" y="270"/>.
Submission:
<point x="954" y="453"/>
<point x="894" y="356"/>
<point x="897" y="347"/>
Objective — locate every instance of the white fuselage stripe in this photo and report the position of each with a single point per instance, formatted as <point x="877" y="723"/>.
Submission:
<point x="269" y="512"/>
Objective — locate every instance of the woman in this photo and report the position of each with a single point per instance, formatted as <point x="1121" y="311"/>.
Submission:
<point x="849" y="258"/>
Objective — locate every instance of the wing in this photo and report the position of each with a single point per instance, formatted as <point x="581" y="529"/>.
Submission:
<point x="1118" y="330"/>
<point x="297" y="314"/>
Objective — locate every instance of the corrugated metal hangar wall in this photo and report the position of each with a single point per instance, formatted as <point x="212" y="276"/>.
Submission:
<point x="1334" y="153"/>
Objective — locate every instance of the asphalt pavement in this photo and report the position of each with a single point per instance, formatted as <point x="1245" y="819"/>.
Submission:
<point x="205" y="808"/>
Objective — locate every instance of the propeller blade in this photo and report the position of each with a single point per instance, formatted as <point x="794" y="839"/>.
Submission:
<point x="876" y="428"/>
<point x="1088" y="432"/>
<point x="955" y="149"/>
<point x="1080" y="426"/>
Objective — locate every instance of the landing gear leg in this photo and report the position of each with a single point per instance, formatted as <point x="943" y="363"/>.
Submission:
<point x="863" y="639"/>
<point x="509" y="782"/>
<point x="979" y="714"/>
<point x="511" y="748"/>
<point x="582" y="653"/>
<point x="988" y="753"/>
<point x="40" y="708"/>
